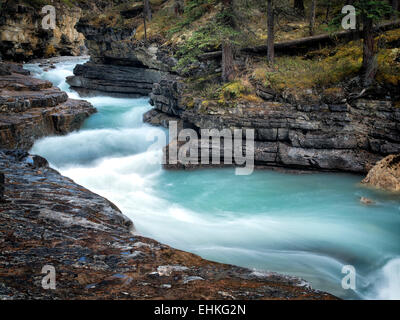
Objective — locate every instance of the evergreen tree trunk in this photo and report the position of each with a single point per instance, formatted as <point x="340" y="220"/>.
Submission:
<point x="145" y="27"/>
<point x="299" y="6"/>
<point x="395" y="7"/>
<point x="228" y="62"/>
<point x="147" y="9"/>
<point x="179" y="7"/>
<point x="271" y="33"/>
<point x="228" y="69"/>
<point x="312" y="16"/>
<point x="328" y="11"/>
<point x="369" y="64"/>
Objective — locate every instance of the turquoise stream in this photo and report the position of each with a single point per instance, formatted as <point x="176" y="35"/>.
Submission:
<point x="308" y="225"/>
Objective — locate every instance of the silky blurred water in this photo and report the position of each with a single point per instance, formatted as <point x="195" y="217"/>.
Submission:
<point x="308" y="225"/>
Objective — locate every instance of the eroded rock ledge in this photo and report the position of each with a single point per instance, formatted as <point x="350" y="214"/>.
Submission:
<point x="47" y="219"/>
<point x="32" y="108"/>
<point x="345" y="131"/>
<point x="385" y="174"/>
<point x="348" y="135"/>
<point x="119" y="66"/>
<point x="117" y="81"/>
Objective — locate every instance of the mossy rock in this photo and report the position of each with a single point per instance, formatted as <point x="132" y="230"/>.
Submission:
<point x="233" y="90"/>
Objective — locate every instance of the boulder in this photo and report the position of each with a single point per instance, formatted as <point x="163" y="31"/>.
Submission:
<point x="366" y="201"/>
<point x="385" y="174"/>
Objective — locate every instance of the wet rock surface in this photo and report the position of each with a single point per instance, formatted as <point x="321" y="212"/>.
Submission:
<point x="47" y="219"/>
<point x="385" y="174"/>
<point x="32" y="108"/>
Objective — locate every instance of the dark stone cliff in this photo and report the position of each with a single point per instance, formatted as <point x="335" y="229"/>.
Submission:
<point x="31" y="109"/>
<point x="119" y="66"/>
<point x="22" y="37"/>
<point x="349" y="135"/>
<point x="349" y="132"/>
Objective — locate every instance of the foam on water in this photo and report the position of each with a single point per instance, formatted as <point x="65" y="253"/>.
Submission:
<point x="390" y="287"/>
<point x="304" y="225"/>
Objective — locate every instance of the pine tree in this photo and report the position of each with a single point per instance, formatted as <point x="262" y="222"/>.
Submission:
<point x="271" y="33"/>
<point x="299" y="6"/>
<point x="179" y="7"/>
<point x="228" y="62"/>
<point x="395" y="7"/>
<point x="370" y="11"/>
<point x="312" y="16"/>
<point x="147" y="10"/>
<point x="146" y="16"/>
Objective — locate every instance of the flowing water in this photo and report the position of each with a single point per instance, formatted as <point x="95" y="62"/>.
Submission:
<point x="308" y="225"/>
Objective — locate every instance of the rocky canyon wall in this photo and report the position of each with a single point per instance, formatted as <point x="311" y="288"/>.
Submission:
<point x="350" y="135"/>
<point x="119" y="65"/>
<point x="22" y="37"/>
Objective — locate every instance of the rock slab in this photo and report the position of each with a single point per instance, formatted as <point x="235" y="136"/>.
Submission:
<point x="31" y="109"/>
<point x="47" y="219"/>
<point x="385" y="174"/>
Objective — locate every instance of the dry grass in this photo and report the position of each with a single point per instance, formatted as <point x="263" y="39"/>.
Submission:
<point x="329" y="67"/>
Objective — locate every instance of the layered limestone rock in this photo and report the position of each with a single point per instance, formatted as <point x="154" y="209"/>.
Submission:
<point x="119" y="81"/>
<point x="47" y="219"/>
<point x="333" y="133"/>
<point x="348" y="136"/>
<point x="385" y="174"/>
<point x="119" y="64"/>
<point x="32" y="108"/>
<point x="118" y="46"/>
<point x="22" y="37"/>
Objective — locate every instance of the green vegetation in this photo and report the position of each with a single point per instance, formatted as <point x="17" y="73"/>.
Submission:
<point x="36" y="3"/>
<point x="329" y="67"/>
<point x="202" y="40"/>
<point x="194" y="10"/>
<point x="41" y="3"/>
<point x="302" y="73"/>
<point x="207" y="25"/>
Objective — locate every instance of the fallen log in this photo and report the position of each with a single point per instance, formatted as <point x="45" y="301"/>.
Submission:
<point x="210" y="55"/>
<point x="313" y="42"/>
<point x="305" y="44"/>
